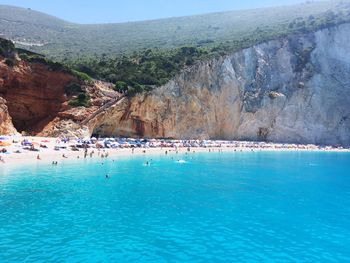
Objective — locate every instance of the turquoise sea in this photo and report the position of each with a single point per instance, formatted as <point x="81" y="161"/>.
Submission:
<point x="217" y="207"/>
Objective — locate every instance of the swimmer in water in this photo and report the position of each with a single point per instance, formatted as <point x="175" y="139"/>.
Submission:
<point x="107" y="176"/>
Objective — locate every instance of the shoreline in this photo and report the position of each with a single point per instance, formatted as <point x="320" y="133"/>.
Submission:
<point x="49" y="155"/>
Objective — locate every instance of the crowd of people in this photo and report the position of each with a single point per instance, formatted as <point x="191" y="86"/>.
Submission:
<point x="88" y="147"/>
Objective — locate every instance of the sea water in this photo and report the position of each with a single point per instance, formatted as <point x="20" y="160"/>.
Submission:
<point x="215" y="207"/>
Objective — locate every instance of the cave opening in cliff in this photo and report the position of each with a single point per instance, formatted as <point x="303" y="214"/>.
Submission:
<point x="30" y="126"/>
<point x="29" y="118"/>
<point x="99" y="131"/>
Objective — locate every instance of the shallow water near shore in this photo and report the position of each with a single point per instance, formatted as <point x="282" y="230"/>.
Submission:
<point x="215" y="207"/>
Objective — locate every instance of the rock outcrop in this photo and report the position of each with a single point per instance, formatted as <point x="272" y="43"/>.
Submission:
<point x="6" y="126"/>
<point x="33" y="93"/>
<point x="34" y="96"/>
<point x="294" y="89"/>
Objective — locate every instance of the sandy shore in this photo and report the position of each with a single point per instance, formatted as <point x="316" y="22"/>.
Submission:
<point x="49" y="155"/>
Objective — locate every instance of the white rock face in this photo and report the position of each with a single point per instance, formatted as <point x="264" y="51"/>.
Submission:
<point x="294" y="89"/>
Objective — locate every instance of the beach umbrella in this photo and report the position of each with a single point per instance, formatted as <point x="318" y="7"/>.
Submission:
<point x="4" y="144"/>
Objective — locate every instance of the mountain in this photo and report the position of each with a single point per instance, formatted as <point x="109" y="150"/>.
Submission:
<point x="236" y="29"/>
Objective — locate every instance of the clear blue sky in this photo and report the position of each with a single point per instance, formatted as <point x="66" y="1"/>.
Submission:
<point x="108" y="11"/>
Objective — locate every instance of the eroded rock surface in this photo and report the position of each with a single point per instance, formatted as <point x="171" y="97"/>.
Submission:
<point x="6" y="126"/>
<point x="294" y="89"/>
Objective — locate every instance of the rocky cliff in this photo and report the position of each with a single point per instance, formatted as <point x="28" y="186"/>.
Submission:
<point x="293" y="89"/>
<point x="34" y="96"/>
<point x="6" y="126"/>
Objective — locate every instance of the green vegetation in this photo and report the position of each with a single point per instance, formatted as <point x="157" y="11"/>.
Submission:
<point x="80" y="75"/>
<point x="121" y="86"/>
<point x="7" y="48"/>
<point x="83" y="100"/>
<point x="52" y="65"/>
<point x="63" y="41"/>
<point x="140" y="56"/>
<point x="141" y="71"/>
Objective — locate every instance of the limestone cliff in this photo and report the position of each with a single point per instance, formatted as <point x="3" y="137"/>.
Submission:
<point x="293" y="89"/>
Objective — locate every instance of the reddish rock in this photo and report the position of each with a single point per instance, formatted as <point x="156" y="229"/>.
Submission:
<point x="34" y="94"/>
<point x="6" y="126"/>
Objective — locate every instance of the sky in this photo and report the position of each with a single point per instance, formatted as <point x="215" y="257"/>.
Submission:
<point x="114" y="11"/>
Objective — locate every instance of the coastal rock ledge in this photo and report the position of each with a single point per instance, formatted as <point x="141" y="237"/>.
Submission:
<point x="294" y="89"/>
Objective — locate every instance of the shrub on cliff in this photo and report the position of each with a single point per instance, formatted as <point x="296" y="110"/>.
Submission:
<point x="121" y="86"/>
<point x="7" y="48"/>
<point x="141" y="71"/>
<point x="52" y="65"/>
<point x="82" y="76"/>
<point x="83" y="100"/>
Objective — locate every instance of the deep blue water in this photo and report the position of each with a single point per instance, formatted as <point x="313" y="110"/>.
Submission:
<point x="251" y="207"/>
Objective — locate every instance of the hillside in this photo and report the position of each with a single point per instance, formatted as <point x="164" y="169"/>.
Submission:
<point x="236" y="29"/>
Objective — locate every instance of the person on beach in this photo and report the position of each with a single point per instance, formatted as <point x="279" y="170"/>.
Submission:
<point x="64" y="156"/>
<point x="2" y="159"/>
<point x="132" y="150"/>
<point x="38" y="157"/>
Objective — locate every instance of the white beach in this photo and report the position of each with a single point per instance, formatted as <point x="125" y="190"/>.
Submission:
<point x="49" y="154"/>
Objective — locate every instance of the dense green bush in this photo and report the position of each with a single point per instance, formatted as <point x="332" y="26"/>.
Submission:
<point x="141" y="71"/>
<point x="83" y="100"/>
<point x="121" y="86"/>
